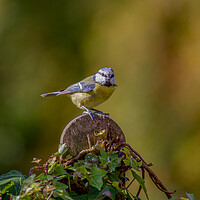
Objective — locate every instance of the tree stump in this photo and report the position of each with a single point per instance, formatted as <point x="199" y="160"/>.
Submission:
<point x="79" y="134"/>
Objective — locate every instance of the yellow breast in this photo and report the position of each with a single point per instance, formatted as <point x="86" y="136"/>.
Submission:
<point x="93" y="98"/>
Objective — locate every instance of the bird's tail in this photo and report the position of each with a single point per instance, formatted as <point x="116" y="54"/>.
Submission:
<point x="50" y="94"/>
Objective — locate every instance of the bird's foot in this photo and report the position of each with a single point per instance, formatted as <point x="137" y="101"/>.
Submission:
<point x="87" y="111"/>
<point x="100" y="112"/>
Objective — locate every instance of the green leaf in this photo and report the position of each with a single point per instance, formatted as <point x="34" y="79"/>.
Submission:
<point x="100" y="133"/>
<point x="106" y="191"/>
<point x="60" y="170"/>
<point x="114" y="176"/>
<point x="52" y="165"/>
<point x="46" y="178"/>
<point x="127" y="152"/>
<point x="31" y="189"/>
<point x="96" y="177"/>
<point x="76" y="196"/>
<point x="114" y="163"/>
<point x="14" y="176"/>
<point x="61" y="149"/>
<point x="62" y="193"/>
<point x="191" y="196"/>
<point x="109" y="159"/>
<point x="27" y="182"/>
<point x="91" y="158"/>
<point x="60" y="185"/>
<point x="40" y="176"/>
<point x="140" y="181"/>
<point x="16" y="197"/>
<point x="104" y="156"/>
<point x="8" y="190"/>
<point x="134" y="164"/>
<point x="127" y="161"/>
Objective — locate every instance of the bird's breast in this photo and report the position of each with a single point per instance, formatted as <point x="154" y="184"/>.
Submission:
<point x="94" y="97"/>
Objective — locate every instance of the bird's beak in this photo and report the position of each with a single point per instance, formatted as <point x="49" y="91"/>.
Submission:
<point x="113" y="81"/>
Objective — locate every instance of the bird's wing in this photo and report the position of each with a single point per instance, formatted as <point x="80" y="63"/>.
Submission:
<point x="86" y="85"/>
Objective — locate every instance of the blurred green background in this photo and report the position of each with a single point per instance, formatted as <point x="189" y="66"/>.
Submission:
<point x="154" y="49"/>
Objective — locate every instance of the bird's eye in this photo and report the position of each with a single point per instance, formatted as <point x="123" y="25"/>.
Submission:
<point x="102" y="74"/>
<point x="112" y="76"/>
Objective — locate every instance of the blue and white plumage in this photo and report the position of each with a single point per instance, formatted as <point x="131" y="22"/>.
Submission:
<point x="91" y="91"/>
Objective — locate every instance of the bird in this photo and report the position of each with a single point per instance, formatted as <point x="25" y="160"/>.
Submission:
<point x="91" y="91"/>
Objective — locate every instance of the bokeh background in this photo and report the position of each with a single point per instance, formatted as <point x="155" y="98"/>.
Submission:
<point x="154" y="49"/>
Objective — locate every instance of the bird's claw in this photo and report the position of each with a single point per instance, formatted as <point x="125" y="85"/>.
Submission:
<point x="90" y="114"/>
<point x="100" y="112"/>
<point x="88" y="111"/>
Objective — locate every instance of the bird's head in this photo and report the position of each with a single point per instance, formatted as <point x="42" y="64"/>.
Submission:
<point x="105" y="77"/>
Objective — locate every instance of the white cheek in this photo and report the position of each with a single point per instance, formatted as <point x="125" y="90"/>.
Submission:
<point x="99" y="78"/>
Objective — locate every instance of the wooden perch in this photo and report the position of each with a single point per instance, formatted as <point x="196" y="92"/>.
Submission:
<point x="79" y="134"/>
<point x="82" y="133"/>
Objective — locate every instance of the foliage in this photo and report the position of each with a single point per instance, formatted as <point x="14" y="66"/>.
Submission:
<point x="97" y="175"/>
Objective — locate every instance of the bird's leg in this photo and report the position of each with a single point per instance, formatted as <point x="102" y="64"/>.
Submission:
<point x="88" y="111"/>
<point x="99" y="112"/>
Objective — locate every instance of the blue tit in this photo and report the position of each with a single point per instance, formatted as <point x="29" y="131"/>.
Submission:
<point x="91" y="91"/>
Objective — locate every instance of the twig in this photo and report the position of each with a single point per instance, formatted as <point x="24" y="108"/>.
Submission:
<point x="146" y="166"/>
<point x="89" y="142"/>
<point x="124" y="144"/>
<point x="110" y="145"/>
<point x="80" y="155"/>
<point x="130" y="183"/>
<point x="35" y="168"/>
<point x="50" y="195"/>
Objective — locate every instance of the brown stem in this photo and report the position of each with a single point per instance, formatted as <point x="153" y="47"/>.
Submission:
<point x="89" y="142"/>
<point x="80" y="155"/>
<point x="35" y="168"/>
<point x="50" y="195"/>
<point x="130" y="183"/>
<point x="146" y="166"/>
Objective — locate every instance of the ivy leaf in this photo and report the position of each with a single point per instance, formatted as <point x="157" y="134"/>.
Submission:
<point x="52" y="165"/>
<point x="27" y="182"/>
<point x="91" y="158"/>
<point x="135" y="165"/>
<point x="141" y="182"/>
<point x="16" y="197"/>
<point x="60" y="170"/>
<point x="114" y="176"/>
<point x="96" y="177"/>
<point x="9" y="189"/>
<point x="110" y="159"/>
<point x="62" y="193"/>
<point x="14" y="176"/>
<point x="61" y="149"/>
<point x="76" y="196"/>
<point x="100" y="133"/>
<point x="46" y="178"/>
<point x="106" y="191"/>
<point x="31" y="189"/>
<point x="114" y="163"/>
<point x="191" y="196"/>
<point x="105" y="157"/>
<point x="59" y="185"/>
<point x="127" y="161"/>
